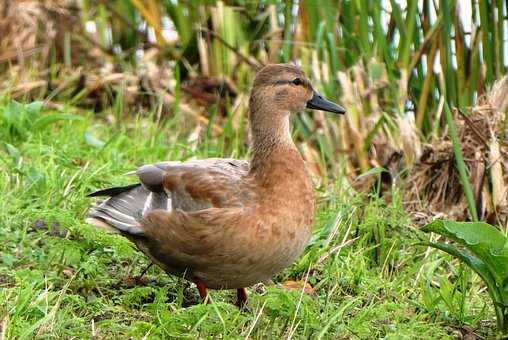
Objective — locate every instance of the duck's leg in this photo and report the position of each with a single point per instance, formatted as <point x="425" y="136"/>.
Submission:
<point x="241" y="294"/>
<point x="203" y="293"/>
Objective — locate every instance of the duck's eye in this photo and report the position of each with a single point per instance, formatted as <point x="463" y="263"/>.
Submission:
<point x="297" y="81"/>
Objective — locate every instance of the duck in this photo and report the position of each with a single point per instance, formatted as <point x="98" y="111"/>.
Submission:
<point x="224" y="223"/>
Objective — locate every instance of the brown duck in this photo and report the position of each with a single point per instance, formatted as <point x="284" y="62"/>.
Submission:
<point x="225" y="223"/>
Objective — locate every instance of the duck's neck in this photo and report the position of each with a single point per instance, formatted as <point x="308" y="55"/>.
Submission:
<point x="272" y="146"/>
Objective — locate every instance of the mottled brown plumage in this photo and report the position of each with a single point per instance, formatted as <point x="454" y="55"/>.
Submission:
<point x="225" y="223"/>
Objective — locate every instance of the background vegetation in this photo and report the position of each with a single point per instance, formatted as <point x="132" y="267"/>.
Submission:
<point x="107" y="85"/>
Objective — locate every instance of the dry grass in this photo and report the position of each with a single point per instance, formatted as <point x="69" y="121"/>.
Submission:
<point x="434" y="181"/>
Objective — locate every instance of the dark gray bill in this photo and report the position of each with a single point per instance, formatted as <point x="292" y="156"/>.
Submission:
<point x="319" y="103"/>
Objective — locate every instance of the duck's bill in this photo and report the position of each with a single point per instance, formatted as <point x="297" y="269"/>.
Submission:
<point x="319" y="103"/>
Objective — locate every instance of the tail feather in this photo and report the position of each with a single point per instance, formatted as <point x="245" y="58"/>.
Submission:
<point x="122" y="211"/>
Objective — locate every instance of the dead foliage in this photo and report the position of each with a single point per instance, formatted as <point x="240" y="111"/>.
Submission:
<point x="35" y="27"/>
<point x="370" y="137"/>
<point x="434" y="187"/>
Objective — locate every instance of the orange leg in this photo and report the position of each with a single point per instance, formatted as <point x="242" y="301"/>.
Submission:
<point x="202" y="290"/>
<point x="241" y="294"/>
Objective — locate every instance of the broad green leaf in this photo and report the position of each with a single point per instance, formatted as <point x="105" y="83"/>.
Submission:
<point x="13" y="152"/>
<point x="93" y="141"/>
<point x="486" y="242"/>
<point x="35" y="106"/>
<point x="496" y="293"/>
<point x="472" y="262"/>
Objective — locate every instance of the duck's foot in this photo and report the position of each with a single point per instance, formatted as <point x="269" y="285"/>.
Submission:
<point x="203" y="292"/>
<point x="241" y="294"/>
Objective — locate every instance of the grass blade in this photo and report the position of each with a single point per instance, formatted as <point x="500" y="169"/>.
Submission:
<point x="461" y="165"/>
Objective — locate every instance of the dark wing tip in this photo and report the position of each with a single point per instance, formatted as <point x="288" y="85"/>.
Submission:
<point x="113" y="191"/>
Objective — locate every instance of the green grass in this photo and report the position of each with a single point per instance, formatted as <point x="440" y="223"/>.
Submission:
<point x="61" y="278"/>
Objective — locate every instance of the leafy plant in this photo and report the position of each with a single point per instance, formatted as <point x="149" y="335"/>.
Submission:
<point x="19" y="120"/>
<point x="485" y="250"/>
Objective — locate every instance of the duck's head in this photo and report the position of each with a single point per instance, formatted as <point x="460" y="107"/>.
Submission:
<point x="283" y="88"/>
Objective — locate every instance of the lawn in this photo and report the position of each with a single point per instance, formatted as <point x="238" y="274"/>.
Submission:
<point x="365" y="274"/>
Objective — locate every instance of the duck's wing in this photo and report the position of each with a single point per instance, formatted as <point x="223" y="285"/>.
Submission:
<point x="186" y="186"/>
<point x="197" y="185"/>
